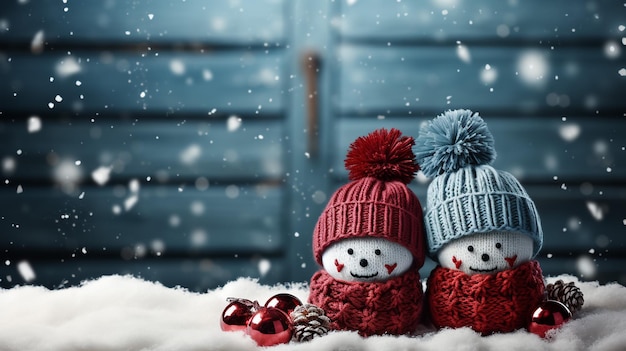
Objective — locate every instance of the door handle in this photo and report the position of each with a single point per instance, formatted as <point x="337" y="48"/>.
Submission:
<point x="311" y="65"/>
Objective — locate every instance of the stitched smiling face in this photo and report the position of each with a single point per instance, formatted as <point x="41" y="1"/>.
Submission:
<point x="486" y="253"/>
<point x="366" y="259"/>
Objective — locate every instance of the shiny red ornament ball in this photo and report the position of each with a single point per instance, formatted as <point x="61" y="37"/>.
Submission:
<point x="285" y="302"/>
<point x="270" y="326"/>
<point x="550" y="314"/>
<point x="236" y="315"/>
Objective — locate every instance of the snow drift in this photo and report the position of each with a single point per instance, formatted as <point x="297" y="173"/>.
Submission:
<point x="127" y="313"/>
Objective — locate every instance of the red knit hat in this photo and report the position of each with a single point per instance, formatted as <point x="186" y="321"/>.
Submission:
<point x="377" y="202"/>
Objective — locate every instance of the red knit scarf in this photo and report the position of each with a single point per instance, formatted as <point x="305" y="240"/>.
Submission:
<point x="500" y="302"/>
<point x="393" y="306"/>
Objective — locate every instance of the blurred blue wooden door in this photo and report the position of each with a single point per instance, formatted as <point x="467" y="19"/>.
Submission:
<point x="192" y="142"/>
<point x="166" y="139"/>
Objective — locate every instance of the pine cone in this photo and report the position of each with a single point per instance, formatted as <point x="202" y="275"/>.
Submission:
<point x="309" y="321"/>
<point x="569" y="294"/>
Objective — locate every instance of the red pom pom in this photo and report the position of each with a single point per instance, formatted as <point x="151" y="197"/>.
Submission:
<point x="384" y="155"/>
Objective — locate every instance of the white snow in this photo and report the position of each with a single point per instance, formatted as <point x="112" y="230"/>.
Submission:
<point x="67" y="67"/>
<point x="130" y="202"/>
<point x="177" y="67"/>
<point x="533" y="66"/>
<point x="8" y="164"/>
<point x="126" y="313"/>
<point x="596" y="211"/>
<point x="463" y="53"/>
<point x="37" y="43"/>
<point x="207" y="74"/>
<point x="68" y="174"/>
<point x="101" y="175"/>
<point x="26" y="271"/>
<point x="569" y="132"/>
<point x="488" y="75"/>
<point x="34" y="124"/>
<point x="612" y="49"/>
<point x="191" y="154"/>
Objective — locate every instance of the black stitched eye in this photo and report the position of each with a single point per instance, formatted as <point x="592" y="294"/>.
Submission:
<point x="498" y="246"/>
<point x="350" y="251"/>
<point x="470" y="248"/>
<point x="377" y="252"/>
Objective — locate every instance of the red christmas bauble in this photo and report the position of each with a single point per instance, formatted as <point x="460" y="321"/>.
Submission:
<point x="237" y="314"/>
<point x="550" y="314"/>
<point x="270" y="326"/>
<point x="285" y="302"/>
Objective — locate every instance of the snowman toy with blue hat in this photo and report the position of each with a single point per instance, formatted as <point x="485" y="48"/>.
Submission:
<point x="482" y="229"/>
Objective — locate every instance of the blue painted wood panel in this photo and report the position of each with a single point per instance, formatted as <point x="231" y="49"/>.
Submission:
<point x="222" y="220"/>
<point x="498" y="22"/>
<point x="246" y="22"/>
<point x="182" y="103"/>
<point x="512" y="80"/>
<point x="159" y="83"/>
<point x="193" y="273"/>
<point x="231" y="149"/>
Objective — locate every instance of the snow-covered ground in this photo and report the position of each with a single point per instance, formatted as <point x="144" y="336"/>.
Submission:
<point x="126" y="313"/>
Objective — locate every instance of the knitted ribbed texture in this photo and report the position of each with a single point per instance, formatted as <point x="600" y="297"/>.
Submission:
<point x="478" y="199"/>
<point x="488" y="303"/>
<point x="369" y="207"/>
<point x="392" y="307"/>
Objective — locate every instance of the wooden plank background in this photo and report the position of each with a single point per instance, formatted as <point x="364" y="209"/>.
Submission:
<point x="195" y="112"/>
<point x="180" y="104"/>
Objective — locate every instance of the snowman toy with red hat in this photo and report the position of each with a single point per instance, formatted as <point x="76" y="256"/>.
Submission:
<point x="482" y="228"/>
<point x="369" y="241"/>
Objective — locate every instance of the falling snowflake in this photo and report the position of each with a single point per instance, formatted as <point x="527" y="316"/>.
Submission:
<point x="34" y="124"/>
<point x="533" y="67"/>
<point x="569" y="132"/>
<point x="264" y="267"/>
<point x="67" y="67"/>
<point x="586" y="267"/>
<point x="232" y="191"/>
<point x="157" y="246"/>
<point x="8" y="165"/>
<point x="130" y="202"/>
<point x="133" y="185"/>
<point x="191" y="154"/>
<point x="612" y="50"/>
<point x="463" y="53"/>
<point x="177" y="67"/>
<point x="488" y="75"/>
<point x="101" y="175"/>
<point x="26" y="271"/>
<point x="37" y="43"/>
<point x="233" y="123"/>
<point x="596" y="211"/>
<point x="207" y="74"/>
<point x="198" y="237"/>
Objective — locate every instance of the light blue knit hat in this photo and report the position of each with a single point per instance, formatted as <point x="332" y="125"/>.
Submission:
<point x="467" y="195"/>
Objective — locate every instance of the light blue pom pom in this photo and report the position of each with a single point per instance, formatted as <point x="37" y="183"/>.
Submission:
<point x="454" y="140"/>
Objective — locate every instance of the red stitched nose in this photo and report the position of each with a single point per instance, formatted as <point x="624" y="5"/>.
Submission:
<point x="363" y="262"/>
